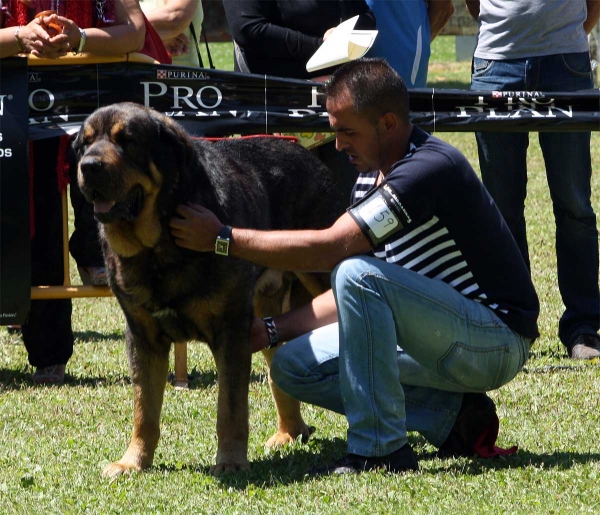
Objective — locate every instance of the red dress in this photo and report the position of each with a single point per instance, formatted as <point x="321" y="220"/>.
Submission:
<point x="86" y="14"/>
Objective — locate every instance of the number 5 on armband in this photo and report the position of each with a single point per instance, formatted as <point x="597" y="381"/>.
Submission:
<point x="375" y="217"/>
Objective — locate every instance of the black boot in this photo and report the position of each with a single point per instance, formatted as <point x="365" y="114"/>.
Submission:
<point x="402" y="460"/>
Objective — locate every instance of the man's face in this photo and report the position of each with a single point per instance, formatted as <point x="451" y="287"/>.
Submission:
<point x="355" y="134"/>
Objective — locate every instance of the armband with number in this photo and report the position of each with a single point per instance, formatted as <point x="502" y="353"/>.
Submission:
<point x="379" y="214"/>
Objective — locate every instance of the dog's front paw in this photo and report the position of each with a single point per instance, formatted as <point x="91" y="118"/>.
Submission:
<point x="281" y="437"/>
<point x="228" y="468"/>
<point x="114" y="470"/>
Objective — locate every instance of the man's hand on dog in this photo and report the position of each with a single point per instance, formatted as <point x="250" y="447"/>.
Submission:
<point x="196" y="228"/>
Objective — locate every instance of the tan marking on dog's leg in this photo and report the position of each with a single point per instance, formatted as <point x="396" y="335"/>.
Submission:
<point x="290" y="424"/>
<point x="149" y="376"/>
<point x="313" y="283"/>
<point x="273" y="300"/>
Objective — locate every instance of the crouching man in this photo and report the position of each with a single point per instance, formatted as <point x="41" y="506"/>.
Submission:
<point x="431" y="302"/>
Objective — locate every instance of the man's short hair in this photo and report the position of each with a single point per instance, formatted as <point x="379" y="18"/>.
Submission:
<point x="374" y="86"/>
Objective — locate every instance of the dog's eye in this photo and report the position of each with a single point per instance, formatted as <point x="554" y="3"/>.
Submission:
<point x="130" y="146"/>
<point x="123" y="138"/>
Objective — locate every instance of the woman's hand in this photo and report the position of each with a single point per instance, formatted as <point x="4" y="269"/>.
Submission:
<point x="328" y="33"/>
<point x="40" y="41"/>
<point x="196" y="228"/>
<point x="52" y="28"/>
<point x="69" y="30"/>
<point x="178" y="45"/>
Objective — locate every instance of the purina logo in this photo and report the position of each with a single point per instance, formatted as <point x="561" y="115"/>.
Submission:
<point x="181" y="74"/>
<point x="518" y="94"/>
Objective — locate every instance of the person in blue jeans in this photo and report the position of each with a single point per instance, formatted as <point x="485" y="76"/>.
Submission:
<point x="541" y="45"/>
<point x="431" y="302"/>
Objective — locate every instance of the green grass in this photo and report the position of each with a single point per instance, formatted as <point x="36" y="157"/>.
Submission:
<point x="221" y="54"/>
<point x="55" y="441"/>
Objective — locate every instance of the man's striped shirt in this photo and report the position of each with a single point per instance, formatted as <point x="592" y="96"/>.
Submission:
<point x="453" y="232"/>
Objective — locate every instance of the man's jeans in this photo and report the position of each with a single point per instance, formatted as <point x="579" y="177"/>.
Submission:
<point x="406" y="348"/>
<point x="503" y="162"/>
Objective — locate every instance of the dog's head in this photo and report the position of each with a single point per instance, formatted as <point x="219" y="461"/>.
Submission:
<point x="129" y="156"/>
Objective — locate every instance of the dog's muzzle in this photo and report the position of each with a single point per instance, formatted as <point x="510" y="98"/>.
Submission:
<point x="96" y="188"/>
<point x="128" y="209"/>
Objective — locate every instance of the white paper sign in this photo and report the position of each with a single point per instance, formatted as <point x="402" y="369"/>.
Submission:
<point x="343" y="45"/>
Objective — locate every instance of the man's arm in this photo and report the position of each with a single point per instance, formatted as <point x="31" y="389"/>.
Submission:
<point x="440" y="12"/>
<point x="318" y="313"/>
<point x="197" y="228"/>
<point x="473" y="7"/>
<point x="593" y="13"/>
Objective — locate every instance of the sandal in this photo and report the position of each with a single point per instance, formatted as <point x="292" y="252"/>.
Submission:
<point x="93" y="275"/>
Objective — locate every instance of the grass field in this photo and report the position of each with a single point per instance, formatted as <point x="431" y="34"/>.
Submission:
<point x="55" y="441"/>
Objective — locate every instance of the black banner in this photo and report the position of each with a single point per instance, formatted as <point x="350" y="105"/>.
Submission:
<point x="212" y="102"/>
<point x="15" y="267"/>
<point x="51" y="100"/>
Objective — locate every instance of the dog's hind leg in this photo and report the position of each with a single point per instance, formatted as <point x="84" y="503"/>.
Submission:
<point x="273" y="297"/>
<point x="149" y="364"/>
<point x="290" y="424"/>
<point x="314" y="283"/>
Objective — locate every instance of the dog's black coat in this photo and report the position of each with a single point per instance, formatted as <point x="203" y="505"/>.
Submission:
<point x="144" y="165"/>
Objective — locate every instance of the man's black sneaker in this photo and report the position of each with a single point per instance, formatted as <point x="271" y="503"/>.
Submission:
<point x="402" y="460"/>
<point x="585" y="346"/>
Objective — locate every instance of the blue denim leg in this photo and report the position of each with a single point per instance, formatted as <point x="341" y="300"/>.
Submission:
<point x="503" y="164"/>
<point x="463" y="345"/>
<point x="502" y="158"/>
<point x="307" y="369"/>
<point x="569" y="171"/>
<point x="576" y="232"/>
<point x="503" y="155"/>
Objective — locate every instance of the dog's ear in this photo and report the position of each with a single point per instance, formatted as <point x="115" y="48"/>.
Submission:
<point x="177" y="150"/>
<point x="78" y="145"/>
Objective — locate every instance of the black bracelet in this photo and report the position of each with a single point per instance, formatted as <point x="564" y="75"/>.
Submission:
<point x="272" y="332"/>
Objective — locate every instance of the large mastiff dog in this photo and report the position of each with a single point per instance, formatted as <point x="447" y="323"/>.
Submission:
<point x="136" y="166"/>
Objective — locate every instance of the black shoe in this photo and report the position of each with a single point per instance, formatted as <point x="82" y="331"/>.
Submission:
<point x="476" y="414"/>
<point x="585" y="346"/>
<point x="402" y="460"/>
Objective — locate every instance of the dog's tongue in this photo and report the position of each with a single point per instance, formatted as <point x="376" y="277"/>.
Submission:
<point x="103" y="206"/>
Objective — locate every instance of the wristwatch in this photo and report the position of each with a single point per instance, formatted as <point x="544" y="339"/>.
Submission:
<point x="222" y="242"/>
